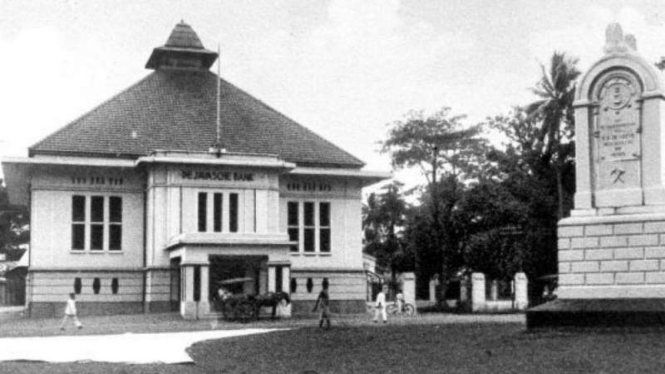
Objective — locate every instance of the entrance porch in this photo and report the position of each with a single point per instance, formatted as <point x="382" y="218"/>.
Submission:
<point x="204" y="268"/>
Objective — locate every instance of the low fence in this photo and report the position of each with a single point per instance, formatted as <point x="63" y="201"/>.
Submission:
<point x="517" y="296"/>
<point x="480" y="295"/>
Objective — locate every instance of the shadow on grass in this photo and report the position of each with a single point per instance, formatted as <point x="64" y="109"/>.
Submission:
<point x="435" y="348"/>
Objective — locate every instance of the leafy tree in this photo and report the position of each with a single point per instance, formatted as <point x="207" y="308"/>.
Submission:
<point x="446" y="152"/>
<point x="527" y="175"/>
<point x="14" y="229"/>
<point x="383" y="217"/>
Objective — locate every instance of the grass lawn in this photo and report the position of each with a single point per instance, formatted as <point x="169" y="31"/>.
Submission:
<point x="423" y="346"/>
<point x="460" y="348"/>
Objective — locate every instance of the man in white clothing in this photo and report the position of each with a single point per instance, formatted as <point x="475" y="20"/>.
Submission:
<point x="70" y="312"/>
<point x="380" y="306"/>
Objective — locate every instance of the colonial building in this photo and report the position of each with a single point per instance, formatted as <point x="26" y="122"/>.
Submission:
<point x="147" y="202"/>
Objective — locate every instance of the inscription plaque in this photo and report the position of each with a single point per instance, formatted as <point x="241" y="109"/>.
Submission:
<point x="617" y="133"/>
<point x="619" y="121"/>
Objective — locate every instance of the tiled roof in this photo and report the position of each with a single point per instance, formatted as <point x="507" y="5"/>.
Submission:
<point x="183" y="36"/>
<point x="182" y="46"/>
<point x="176" y="110"/>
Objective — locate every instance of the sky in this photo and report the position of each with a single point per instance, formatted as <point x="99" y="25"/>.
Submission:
<point x="345" y="69"/>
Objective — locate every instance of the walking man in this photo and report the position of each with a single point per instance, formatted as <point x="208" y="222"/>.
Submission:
<point x="70" y="312"/>
<point x="380" y="306"/>
<point x="323" y="301"/>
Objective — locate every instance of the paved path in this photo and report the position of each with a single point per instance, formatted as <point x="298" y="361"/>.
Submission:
<point x="166" y="348"/>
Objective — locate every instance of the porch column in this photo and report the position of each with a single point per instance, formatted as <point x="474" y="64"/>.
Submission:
<point x="272" y="284"/>
<point x="188" y="307"/>
<point x="286" y="279"/>
<point x="204" y="298"/>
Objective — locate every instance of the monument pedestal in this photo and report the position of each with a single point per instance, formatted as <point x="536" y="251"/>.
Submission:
<point x="611" y="272"/>
<point x="612" y="248"/>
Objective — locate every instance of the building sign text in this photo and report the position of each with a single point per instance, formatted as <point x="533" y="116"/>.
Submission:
<point x="309" y="187"/>
<point x="217" y="176"/>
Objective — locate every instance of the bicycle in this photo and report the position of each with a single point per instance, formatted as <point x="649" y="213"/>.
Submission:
<point x="407" y="309"/>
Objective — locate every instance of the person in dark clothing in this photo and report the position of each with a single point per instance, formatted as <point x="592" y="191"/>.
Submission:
<point x="323" y="302"/>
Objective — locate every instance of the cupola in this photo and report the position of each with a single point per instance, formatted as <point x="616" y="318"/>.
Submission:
<point x="183" y="50"/>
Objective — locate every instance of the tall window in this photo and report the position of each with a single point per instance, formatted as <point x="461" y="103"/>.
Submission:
<point x="104" y="232"/>
<point x="216" y="204"/>
<point x="312" y="224"/>
<point x="293" y="225"/>
<point x="324" y="227"/>
<point x="233" y="212"/>
<point x="78" y="222"/>
<point x="203" y="211"/>
<point x="97" y="223"/>
<point x="309" y="226"/>
<point x="115" y="223"/>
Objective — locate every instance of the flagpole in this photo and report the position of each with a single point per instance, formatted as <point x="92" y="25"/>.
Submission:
<point x="219" y="62"/>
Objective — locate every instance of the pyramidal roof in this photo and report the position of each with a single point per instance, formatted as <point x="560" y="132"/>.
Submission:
<point x="175" y="108"/>
<point x="183" y="49"/>
<point x="183" y="36"/>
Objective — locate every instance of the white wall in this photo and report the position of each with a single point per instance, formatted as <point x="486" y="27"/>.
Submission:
<point x="344" y="197"/>
<point x="51" y="242"/>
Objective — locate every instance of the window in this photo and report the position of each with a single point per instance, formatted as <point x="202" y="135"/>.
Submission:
<point x="324" y="227"/>
<point x="203" y="211"/>
<point x="97" y="223"/>
<point x="78" y="222"/>
<point x="218" y="203"/>
<point x="294" y="285"/>
<point x="310" y="285"/>
<point x="115" y="223"/>
<point x="309" y="227"/>
<point x="233" y="212"/>
<point x="96" y="285"/>
<point x="114" y="286"/>
<point x="312" y="223"/>
<point x="93" y="229"/>
<point x="292" y="223"/>
<point x="77" y="285"/>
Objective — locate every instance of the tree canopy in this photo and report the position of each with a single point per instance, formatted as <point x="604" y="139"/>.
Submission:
<point x="485" y="207"/>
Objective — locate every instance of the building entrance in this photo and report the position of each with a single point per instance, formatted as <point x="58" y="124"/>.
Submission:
<point x="238" y="274"/>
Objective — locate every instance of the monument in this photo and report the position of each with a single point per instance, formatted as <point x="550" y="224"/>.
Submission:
<point x="611" y="254"/>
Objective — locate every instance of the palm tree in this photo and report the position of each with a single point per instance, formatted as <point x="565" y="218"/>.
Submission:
<point x="554" y="109"/>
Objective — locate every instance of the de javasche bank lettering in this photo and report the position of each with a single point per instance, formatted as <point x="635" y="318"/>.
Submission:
<point x="218" y="175"/>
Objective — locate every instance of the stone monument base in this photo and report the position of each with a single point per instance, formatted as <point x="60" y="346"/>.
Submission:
<point x="564" y="313"/>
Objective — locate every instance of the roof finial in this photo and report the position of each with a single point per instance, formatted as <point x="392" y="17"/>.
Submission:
<point x="616" y="42"/>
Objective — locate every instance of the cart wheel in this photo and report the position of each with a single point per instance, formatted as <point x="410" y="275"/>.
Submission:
<point x="391" y="309"/>
<point x="245" y="311"/>
<point x="409" y="310"/>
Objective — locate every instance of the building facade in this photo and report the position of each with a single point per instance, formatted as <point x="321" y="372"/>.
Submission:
<point x="149" y="201"/>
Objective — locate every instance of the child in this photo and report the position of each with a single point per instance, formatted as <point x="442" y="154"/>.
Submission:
<point x="323" y="301"/>
<point x="380" y="306"/>
<point x="70" y="311"/>
<point x="399" y="300"/>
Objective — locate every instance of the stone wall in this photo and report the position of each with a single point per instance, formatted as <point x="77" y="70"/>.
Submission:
<point x="612" y="257"/>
